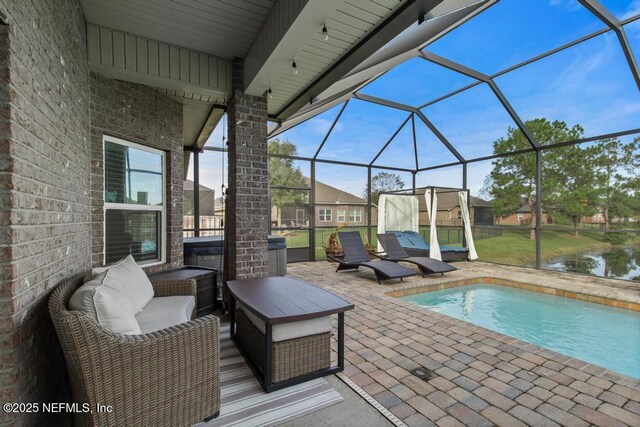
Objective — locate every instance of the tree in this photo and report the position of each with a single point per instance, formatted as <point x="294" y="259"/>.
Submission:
<point x="616" y="167"/>
<point x="512" y="182"/>
<point x="574" y="178"/>
<point x="284" y="173"/>
<point x="382" y="182"/>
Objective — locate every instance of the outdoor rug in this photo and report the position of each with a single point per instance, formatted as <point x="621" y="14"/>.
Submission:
<point x="243" y="402"/>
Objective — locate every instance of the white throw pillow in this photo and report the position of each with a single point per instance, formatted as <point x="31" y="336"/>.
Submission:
<point x="104" y="300"/>
<point x="133" y="280"/>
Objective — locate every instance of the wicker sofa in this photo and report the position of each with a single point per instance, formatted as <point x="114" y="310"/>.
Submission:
<point x="170" y="377"/>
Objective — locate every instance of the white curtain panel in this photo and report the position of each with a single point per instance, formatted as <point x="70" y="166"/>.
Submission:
<point x="397" y="213"/>
<point x="462" y="196"/>
<point x="432" y="209"/>
<point x="382" y="226"/>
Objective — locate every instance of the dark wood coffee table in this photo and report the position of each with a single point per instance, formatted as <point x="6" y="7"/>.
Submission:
<point x="279" y="300"/>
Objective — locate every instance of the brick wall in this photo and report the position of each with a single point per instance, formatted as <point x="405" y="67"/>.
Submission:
<point x="44" y="191"/>
<point x="138" y="114"/>
<point x="248" y="210"/>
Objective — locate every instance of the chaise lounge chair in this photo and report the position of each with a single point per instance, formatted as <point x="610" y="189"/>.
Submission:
<point x="396" y="253"/>
<point x="415" y="245"/>
<point x="356" y="255"/>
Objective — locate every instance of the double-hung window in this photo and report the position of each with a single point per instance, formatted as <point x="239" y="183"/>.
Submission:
<point x="325" y="215"/>
<point x="340" y="216"/>
<point x="355" y="215"/>
<point x="134" y="202"/>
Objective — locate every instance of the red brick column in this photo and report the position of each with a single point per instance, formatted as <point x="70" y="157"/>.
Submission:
<point x="247" y="205"/>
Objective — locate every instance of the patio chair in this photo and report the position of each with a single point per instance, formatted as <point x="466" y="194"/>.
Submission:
<point x="396" y="253"/>
<point x="356" y="256"/>
<point x="170" y="377"/>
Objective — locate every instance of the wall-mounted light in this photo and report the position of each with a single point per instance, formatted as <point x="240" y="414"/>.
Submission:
<point x="294" y="67"/>
<point x="325" y="32"/>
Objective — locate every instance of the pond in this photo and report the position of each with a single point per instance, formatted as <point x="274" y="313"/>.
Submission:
<point x="619" y="262"/>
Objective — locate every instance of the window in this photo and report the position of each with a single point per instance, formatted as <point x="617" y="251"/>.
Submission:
<point x="134" y="202"/>
<point x="325" y="215"/>
<point x="355" y="215"/>
<point x="520" y="216"/>
<point x="341" y="215"/>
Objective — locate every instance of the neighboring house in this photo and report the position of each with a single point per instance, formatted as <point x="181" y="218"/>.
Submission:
<point x="522" y="217"/>
<point x="449" y="213"/>
<point x="334" y="207"/>
<point x="207" y="199"/>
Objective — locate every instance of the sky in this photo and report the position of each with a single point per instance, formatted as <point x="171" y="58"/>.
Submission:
<point x="589" y="84"/>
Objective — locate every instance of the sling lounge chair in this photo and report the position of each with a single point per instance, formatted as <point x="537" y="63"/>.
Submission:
<point x="415" y="245"/>
<point x="356" y="255"/>
<point x="396" y="253"/>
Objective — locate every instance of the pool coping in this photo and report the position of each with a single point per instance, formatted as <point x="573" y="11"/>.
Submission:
<point x="549" y="290"/>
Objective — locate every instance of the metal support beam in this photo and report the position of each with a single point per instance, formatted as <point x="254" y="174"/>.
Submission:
<point x="538" y="209"/>
<point x="196" y="193"/>
<point x="603" y="14"/>
<point x="465" y="187"/>
<point x="312" y="214"/>
<point x="385" y="102"/>
<point x="461" y="69"/>
<point x="330" y="129"/>
<point x="440" y="136"/>
<point x="390" y="139"/>
<point x="415" y="142"/>
<point x="512" y="113"/>
<point x="369" y="204"/>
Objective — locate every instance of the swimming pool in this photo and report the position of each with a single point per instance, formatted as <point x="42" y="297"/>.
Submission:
<point x="605" y="336"/>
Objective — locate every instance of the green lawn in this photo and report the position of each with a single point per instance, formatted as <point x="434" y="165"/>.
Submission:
<point x="514" y="246"/>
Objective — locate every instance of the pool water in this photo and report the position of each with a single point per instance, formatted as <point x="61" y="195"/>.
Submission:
<point x="605" y="336"/>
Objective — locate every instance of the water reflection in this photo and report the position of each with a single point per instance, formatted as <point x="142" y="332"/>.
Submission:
<point x="621" y="263"/>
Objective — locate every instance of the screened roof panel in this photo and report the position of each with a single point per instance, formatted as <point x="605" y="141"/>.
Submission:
<point x="431" y="151"/>
<point x="622" y="9"/>
<point x="512" y="31"/>
<point x="427" y="81"/>
<point x="471" y="121"/>
<point x="308" y="135"/>
<point x="589" y="84"/>
<point x="445" y="177"/>
<point x="361" y="132"/>
<point x="400" y="153"/>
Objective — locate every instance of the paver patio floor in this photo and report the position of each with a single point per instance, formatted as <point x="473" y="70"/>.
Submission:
<point x="483" y="377"/>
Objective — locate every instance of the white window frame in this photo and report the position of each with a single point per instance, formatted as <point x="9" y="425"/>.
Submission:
<point x="325" y="213"/>
<point x="133" y="207"/>
<point x="352" y="214"/>
<point x="520" y="216"/>
<point x="341" y="213"/>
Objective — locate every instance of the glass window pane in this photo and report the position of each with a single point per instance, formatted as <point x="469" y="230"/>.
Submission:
<point x="132" y="175"/>
<point x="513" y="31"/>
<point x="622" y="9"/>
<point x="361" y="132"/>
<point x="471" y="120"/>
<point x="589" y="85"/>
<point x="400" y="153"/>
<point x="431" y="151"/>
<point x="307" y="136"/>
<point x="428" y="81"/>
<point x="132" y="232"/>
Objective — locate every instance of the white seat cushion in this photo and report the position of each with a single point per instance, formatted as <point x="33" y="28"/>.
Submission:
<point x="162" y="312"/>
<point x="289" y="331"/>
<point x="104" y="300"/>
<point x="133" y="279"/>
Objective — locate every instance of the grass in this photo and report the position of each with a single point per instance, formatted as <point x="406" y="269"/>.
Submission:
<point x="513" y="247"/>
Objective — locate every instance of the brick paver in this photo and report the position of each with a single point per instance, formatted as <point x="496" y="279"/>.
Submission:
<point x="481" y="377"/>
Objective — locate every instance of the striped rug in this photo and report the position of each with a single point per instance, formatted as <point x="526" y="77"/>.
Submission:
<point x="244" y="403"/>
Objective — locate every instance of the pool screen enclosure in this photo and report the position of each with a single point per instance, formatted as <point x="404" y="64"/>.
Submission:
<point x="502" y="126"/>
